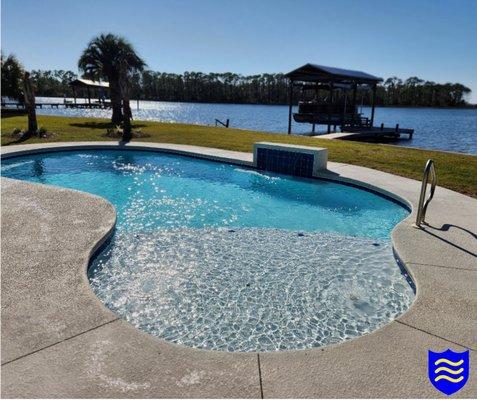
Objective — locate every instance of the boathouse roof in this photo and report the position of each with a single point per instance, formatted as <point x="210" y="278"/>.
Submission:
<point x="89" y="83"/>
<point x="321" y="73"/>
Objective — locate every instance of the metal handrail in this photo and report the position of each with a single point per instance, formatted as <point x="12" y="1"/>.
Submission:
<point x="422" y="208"/>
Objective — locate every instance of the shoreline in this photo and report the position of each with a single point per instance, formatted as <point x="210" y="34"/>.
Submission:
<point x="456" y="171"/>
<point x="299" y="134"/>
<point x="442" y="129"/>
<point x="468" y="107"/>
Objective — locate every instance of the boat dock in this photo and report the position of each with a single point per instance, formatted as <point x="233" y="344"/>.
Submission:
<point x="329" y="97"/>
<point x="371" y="134"/>
<point x="79" y="86"/>
<point x="21" y="106"/>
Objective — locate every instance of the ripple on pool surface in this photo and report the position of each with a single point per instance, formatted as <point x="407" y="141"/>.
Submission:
<point x="176" y="271"/>
<point x="250" y="289"/>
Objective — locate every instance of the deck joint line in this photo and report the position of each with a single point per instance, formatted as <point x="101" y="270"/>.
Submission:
<point x="441" y="266"/>
<point x="260" y="376"/>
<point x="60" y="341"/>
<point x="437" y="336"/>
<point x="42" y="251"/>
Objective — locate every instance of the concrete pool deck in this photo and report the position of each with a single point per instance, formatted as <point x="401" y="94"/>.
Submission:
<point x="59" y="340"/>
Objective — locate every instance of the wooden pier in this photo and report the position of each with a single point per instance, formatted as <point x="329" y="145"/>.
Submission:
<point x="375" y="134"/>
<point x="19" y="108"/>
<point x="85" y="87"/>
<point x="103" y="105"/>
<point x="382" y="131"/>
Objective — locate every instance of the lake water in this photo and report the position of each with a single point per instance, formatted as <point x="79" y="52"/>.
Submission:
<point x="440" y="129"/>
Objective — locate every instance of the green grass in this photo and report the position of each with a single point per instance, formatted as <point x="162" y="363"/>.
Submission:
<point x="455" y="171"/>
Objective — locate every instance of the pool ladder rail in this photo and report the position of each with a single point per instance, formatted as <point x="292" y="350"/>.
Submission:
<point x="429" y="169"/>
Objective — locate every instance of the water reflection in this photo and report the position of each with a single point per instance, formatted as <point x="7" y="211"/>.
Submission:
<point x="38" y="170"/>
<point x="442" y="129"/>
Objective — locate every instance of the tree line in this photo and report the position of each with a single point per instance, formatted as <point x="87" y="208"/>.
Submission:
<point x="229" y="87"/>
<point x="112" y="58"/>
<point x="254" y="89"/>
<point x="416" y="92"/>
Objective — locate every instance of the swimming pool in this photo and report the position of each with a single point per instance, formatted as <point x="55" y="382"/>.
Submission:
<point x="217" y="256"/>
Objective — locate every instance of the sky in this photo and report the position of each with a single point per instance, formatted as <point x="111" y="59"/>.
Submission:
<point x="432" y="39"/>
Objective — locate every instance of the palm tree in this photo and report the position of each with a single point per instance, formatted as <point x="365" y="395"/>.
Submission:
<point x="102" y="59"/>
<point x="16" y="84"/>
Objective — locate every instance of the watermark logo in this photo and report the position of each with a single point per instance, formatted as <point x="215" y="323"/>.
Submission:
<point x="448" y="371"/>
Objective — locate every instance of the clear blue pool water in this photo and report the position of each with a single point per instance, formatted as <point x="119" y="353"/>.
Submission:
<point x="217" y="256"/>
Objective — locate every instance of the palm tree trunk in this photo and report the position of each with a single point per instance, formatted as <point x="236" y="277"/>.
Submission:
<point x="29" y="96"/>
<point x="124" y="90"/>
<point x="117" y="116"/>
<point x="127" y="114"/>
<point x="127" y="132"/>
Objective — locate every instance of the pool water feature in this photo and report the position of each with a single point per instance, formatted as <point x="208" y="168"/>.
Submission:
<point x="217" y="256"/>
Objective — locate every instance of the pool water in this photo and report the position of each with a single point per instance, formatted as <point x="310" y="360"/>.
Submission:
<point x="217" y="256"/>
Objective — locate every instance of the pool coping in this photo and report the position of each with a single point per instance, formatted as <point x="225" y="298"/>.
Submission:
<point x="440" y="259"/>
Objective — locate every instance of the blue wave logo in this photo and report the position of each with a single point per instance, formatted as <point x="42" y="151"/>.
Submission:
<point x="448" y="371"/>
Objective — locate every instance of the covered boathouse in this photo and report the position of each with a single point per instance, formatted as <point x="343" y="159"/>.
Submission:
<point x="333" y="100"/>
<point x="90" y="89"/>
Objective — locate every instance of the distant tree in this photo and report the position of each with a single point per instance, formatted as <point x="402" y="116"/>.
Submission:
<point x="255" y="89"/>
<point x="12" y="75"/>
<point x="102" y="59"/>
<point x="54" y="83"/>
<point x="458" y="94"/>
<point x="16" y="84"/>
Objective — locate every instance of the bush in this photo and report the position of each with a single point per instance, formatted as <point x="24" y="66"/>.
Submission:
<point x="42" y="130"/>
<point x="118" y="131"/>
<point x="114" y="132"/>
<point x="16" y="131"/>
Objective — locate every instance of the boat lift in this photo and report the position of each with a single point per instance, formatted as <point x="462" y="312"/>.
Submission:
<point x="331" y="103"/>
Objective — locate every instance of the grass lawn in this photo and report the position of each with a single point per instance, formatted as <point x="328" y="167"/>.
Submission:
<point x="455" y="171"/>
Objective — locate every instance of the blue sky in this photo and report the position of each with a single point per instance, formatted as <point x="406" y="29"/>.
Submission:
<point x="432" y="39"/>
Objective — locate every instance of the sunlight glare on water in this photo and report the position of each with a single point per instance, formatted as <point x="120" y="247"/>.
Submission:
<point x="440" y="129"/>
<point x="215" y="256"/>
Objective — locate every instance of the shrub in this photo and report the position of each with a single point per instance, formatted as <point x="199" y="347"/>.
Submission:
<point x="117" y="133"/>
